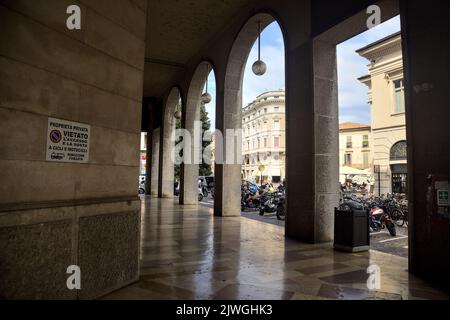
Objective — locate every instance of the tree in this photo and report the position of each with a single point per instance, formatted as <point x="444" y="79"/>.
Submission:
<point x="205" y="169"/>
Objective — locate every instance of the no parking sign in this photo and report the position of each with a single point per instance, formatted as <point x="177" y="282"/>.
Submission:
<point x="67" y="141"/>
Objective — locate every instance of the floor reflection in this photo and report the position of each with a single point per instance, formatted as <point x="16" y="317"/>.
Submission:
<point x="186" y="253"/>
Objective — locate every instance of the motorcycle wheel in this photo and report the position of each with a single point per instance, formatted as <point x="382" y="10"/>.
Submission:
<point x="391" y="227"/>
<point x="261" y="211"/>
<point x="200" y="197"/>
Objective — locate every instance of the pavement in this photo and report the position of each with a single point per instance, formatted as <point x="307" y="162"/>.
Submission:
<point x="381" y="241"/>
<point x="384" y="242"/>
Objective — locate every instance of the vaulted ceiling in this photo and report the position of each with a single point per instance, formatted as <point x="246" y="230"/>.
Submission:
<point x="177" y="30"/>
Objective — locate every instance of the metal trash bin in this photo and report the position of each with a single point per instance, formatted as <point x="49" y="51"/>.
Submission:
<point x="351" y="228"/>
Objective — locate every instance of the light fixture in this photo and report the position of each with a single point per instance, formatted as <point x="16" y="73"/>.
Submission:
<point x="206" y="97"/>
<point x="177" y="114"/>
<point x="259" y="67"/>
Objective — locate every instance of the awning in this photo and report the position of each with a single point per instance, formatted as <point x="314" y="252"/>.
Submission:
<point x="351" y="171"/>
<point x="399" y="168"/>
<point x="275" y="172"/>
<point x="257" y="173"/>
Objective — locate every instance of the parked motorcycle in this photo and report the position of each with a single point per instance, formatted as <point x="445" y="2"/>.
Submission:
<point x="250" y="200"/>
<point x="142" y="187"/>
<point x="200" y="194"/>
<point x="379" y="217"/>
<point x="379" y="220"/>
<point x="281" y="208"/>
<point x="268" y="203"/>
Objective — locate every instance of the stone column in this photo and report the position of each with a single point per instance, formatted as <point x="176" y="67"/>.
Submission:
<point x="167" y="163"/>
<point x="229" y="117"/>
<point x="166" y="166"/>
<point x="326" y="137"/>
<point x="228" y="173"/>
<point x="155" y="162"/>
<point x="312" y="166"/>
<point x="148" y="164"/>
<point x="189" y="170"/>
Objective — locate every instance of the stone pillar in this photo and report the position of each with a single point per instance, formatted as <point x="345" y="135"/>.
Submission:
<point x="326" y="138"/>
<point x="167" y="156"/>
<point x="312" y="140"/>
<point x="148" y="164"/>
<point x="229" y="117"/>
<point x="228" y="172"/>
<point x="155" y="162"/>
<point x="167" y="164"/>
<point x="189" y="170"/>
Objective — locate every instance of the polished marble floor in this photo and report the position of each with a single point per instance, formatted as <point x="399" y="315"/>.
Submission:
<point x="186" y="253"/>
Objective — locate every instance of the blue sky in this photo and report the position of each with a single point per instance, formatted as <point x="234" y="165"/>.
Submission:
<point x="272" y="53"/>
<point x="353" y="105"/>
<point x="352" y="94"/>
<point x="211" y="107"/>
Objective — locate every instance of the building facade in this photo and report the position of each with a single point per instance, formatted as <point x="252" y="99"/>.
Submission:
<point x="386" y="97"/>
<point x="213" y="153"/>
<point x="143" y="154"/>
<point x="263" y="138"/>
<point x="355" y="146"/>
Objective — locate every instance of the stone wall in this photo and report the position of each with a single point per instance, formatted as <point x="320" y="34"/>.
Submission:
<point x="53" y="215"/>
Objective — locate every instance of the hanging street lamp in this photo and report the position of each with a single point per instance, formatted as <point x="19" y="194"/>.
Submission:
<point x="177" y="114"/>
<point x="206" y="97"/>
<point x="259" y="67"/>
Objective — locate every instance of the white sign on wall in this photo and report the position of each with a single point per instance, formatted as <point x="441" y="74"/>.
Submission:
<point x="67" y="141"/>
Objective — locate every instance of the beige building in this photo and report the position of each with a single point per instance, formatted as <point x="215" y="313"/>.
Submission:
<point x="213" y="153"/>
<point x="386" y="96"/>
<point x="355" y="146"/>
<point x="263" y="138"/>
<point x="143" y="154"/>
